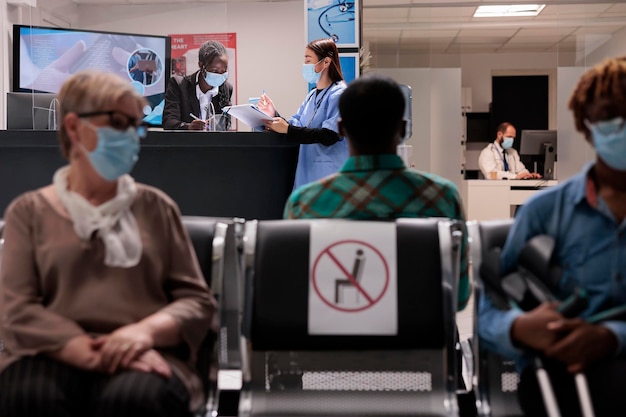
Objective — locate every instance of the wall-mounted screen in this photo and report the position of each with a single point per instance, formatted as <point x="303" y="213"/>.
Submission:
<point x="43" y="58"/>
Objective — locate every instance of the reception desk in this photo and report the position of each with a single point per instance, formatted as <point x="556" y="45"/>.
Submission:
<point x="221" y="174"/>
<point x="497" y="199"/>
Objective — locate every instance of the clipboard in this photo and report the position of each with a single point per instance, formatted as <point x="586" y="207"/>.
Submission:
<point x="247" y="113"/>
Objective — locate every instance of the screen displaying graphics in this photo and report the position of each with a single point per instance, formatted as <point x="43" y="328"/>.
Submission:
<point x="336" y="19"/>
<point x="43" y="58"/>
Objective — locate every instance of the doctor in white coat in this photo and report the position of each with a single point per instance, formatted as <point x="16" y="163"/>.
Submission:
<point x="499" y="160"/>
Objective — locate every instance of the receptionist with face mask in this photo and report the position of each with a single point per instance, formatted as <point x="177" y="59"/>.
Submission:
<point x="314" y="126"/>
<point x="499" y="160"/>
<point x="193" y="101"/>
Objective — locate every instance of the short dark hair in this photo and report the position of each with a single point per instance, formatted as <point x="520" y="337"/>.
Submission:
<point x="502" y="127"/>
<point x="371" y="110"/>
<point x="210" y="50"/>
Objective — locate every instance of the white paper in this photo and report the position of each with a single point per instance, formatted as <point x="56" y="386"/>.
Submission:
<point x="247" y="113"/>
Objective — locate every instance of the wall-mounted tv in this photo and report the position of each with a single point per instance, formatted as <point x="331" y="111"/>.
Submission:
<point x="44" y="57"/>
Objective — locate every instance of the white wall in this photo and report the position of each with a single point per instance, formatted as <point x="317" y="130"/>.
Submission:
<point x="437" y="124"/>
<point x="266" y="57"/>
<point x="573" y="150"/>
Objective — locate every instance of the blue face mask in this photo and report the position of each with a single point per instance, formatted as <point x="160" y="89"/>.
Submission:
<point x="609" y="139"/>
<point x="116" y="153"/>
<point x="309" y="74"/>
<point x="507" y="142"/>
<point x="215" y="80"/>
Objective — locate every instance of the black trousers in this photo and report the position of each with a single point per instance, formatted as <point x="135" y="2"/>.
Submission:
<point x="42" y="387"/>
<point x="607" y="385"/>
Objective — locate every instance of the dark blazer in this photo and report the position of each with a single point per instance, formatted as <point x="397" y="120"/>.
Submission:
<point x="181" y="99"/>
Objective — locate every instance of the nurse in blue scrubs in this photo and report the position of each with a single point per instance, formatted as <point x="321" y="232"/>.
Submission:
<point x="314" y="126"/>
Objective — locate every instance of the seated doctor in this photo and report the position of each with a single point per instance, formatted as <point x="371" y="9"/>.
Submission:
<point x="499" y="160"/>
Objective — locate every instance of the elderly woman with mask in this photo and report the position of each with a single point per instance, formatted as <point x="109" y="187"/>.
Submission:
<point x="103" y="303"/>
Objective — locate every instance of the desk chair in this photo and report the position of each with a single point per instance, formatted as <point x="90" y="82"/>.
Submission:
<point x="495" y="378"/>
<point x="215" y="244"/>
<point x="290" y="372"/>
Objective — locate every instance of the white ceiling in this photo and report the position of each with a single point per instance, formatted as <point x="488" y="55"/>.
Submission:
<point x="448" y="27"/>
<point x="419" y="26"/>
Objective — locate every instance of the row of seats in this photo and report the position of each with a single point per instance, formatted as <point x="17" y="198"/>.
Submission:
<point x="300" y="355"/>
<point x="263" y="284"/>
<point x="495" y="378"/>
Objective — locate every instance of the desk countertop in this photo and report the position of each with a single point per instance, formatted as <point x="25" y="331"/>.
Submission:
<point x="512" y="183"/>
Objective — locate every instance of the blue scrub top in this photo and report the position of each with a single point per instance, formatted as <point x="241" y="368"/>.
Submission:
<point x="321" y="110"/>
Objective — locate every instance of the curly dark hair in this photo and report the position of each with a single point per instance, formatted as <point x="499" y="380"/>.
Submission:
<point x="600" y="94"/>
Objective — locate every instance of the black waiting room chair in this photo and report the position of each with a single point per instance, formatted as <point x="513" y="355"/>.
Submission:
<point x="216" y="242"/>
<point x="495" y="377"/>
<point x="291" y="367"/>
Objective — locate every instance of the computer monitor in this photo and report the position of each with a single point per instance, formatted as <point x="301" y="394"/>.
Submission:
<point x="38" y="51"/>
<point x="32" y="111"/>
<point x="540" y="148"/>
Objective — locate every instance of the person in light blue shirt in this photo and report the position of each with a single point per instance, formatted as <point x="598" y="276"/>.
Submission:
<point x="586" y="216"/>
<point x="322" y="150"/>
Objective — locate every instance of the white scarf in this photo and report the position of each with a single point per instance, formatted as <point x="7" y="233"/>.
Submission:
<point x="113" y="220"/>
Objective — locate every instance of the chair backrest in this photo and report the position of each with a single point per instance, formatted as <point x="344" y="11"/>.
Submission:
<point x="297" y="366"/>
<point x="495" y="377"/>
<point x="215" y="243"/>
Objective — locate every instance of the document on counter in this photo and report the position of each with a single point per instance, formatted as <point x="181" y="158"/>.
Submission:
<point x="247" y="113"/>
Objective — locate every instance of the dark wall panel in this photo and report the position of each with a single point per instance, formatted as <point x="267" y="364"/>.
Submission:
<point x="520" y="100"/>
<point x="243" y="174"/>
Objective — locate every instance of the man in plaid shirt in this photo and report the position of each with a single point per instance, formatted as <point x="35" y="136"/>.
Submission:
<point x="374" y="183"/>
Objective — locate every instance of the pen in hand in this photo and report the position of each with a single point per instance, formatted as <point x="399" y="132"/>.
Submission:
<point x="197" y="126"/>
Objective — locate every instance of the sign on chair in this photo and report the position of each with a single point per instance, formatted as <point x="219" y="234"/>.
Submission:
<point x="352" y="279"/>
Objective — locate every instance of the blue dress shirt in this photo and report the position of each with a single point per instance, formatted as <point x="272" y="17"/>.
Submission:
<point x="590" y="247"/>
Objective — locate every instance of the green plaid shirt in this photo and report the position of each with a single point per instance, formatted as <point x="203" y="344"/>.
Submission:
<point x="380" y="187"/>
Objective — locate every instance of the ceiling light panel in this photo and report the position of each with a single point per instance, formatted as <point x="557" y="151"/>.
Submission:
<point x="511" y="10"/>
